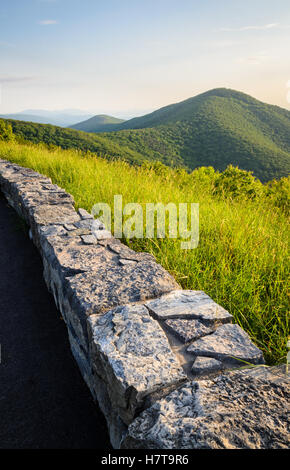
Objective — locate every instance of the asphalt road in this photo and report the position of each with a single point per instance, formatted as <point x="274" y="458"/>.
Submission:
<point x="44" y="403"/>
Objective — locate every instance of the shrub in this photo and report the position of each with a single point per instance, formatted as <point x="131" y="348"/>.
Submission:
<point x="6" y="132"/>
<point x="236" y="183"/>
<point x="279" y="192"/>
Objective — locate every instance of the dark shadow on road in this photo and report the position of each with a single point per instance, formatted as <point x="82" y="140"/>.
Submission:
<point x="44" y="402"/>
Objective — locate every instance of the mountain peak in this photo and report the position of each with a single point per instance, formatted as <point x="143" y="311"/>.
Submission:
<point x="229" y="93"/>
<point x="99" y="123"/>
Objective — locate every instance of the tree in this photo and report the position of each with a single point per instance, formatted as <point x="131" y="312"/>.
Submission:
<point x="6" y="132"/>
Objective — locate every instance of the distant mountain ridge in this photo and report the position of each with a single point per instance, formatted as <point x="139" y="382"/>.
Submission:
<point x="99" y="123"/>
<point x="64" y="118"/>
<point x="216" y="128"/>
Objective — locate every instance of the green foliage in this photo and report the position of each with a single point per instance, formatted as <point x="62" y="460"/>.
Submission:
<point x="217" y="128"/>
<point x="6" y="132"/>
<point x="100" y="123"/>
<point x="237" y="183"/>
<point x="242" y="257"/>
<point x="54" y="136"/>
<point x="279" y="192"/>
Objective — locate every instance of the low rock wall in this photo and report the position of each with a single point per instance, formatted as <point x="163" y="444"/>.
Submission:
<point x="164" y="364"/>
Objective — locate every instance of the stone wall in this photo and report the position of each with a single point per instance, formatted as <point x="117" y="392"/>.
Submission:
<point x="166" y="366"/>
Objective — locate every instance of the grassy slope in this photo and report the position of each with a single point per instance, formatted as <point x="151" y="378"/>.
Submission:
<point x="216" y="128"/>
<point x="100" y="123"/>
<point x="241" y="260"/>
<point x="70" y="138"/>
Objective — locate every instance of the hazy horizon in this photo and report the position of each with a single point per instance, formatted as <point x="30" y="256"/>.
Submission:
<point x="87" y="113"/>
<point x="127" y="114"/>
<point x="127" y="59"/>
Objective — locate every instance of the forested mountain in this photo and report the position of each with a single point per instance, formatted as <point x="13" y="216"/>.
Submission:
<point x="217" y="128"/>
<point x="99" y="123"/>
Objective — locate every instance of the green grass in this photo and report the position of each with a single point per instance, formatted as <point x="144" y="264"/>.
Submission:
<point x="55" y="136"/>
<point x="241" y="260"/>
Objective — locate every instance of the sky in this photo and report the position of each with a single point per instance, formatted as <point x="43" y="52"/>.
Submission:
<point x="128" y="57"/>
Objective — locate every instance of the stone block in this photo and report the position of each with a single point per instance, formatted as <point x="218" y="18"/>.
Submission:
<point x="229" y="343"/>
<point x="188" y="304"/>
<point x="131" y="353"/>
<point x="206" y="366"/>
<point x="188" y="330"/>
<point x="233" y="411"/>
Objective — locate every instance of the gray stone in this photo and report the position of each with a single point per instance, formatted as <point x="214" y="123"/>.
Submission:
<point x="98" y="388"/>
<point x="116" y="427"/>
<point x="92" y="224"/>
<point x="84" y="223"/>
<point x="89" y="239"/>
<point x="13" y="178"/>
<point x="53" y="187"/>
<point x="88" y="279"/>
<point x="110" y="242"/>
<point x="64" y="258"/>
<point x="25" y="193"/>
<point x="51" y="231"/>
<point x="126" y="253"/>
<point x="31" y="189"/>
<point x="188" y="330"/>
<point x="131" y="353"/>
<point x="102" y="234"/>
<point x="70" y="254"/>
<point x="124" y="262"/>
<point x="21" y="187"/>
<point x="111" y="284"/>
<point x="188" y="304"/>
<point x="69" y="227"/>
<point x="206" y="366"/>
<point x="78" y="232"/>
<point x="230" y="343"/>
<point x="53" y="214"/>
<point x="4" y="164"/>
<point x="35" y="198"/>
<point x="98" y="225"/>
<point x="80" y="356"/>
<point x="233" y="411"/>
<point x="277" y="374"/>
<point x="84" y="214"/>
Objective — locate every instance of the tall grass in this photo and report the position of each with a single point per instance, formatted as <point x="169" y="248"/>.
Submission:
<point x="241" y="260"/>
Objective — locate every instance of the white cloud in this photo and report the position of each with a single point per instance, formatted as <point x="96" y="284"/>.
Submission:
<point x="48" y="22"/>
<point x="251" y="28"/>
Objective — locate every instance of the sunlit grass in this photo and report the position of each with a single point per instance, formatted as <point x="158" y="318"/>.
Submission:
<point x="241" y="260"/>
